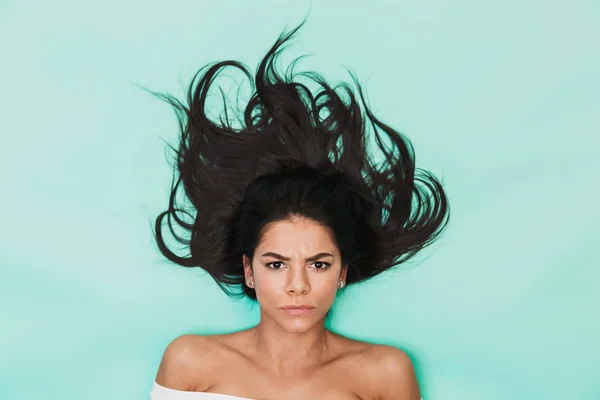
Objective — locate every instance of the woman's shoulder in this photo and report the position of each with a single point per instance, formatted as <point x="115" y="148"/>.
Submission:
<point x="387" y="367"/>
<point x="392" y="369"/>
<point x="186" y="358"/>
<point x="369" y="351"/>
<point x="395" y="373"/>
<point x="194" y="345"/>
<point x="379" y="356"/>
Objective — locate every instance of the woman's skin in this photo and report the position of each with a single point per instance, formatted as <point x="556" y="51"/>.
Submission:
<point x="290" y="356"/>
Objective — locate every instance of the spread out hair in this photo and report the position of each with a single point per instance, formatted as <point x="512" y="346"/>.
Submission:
<point x="318" y="154"/>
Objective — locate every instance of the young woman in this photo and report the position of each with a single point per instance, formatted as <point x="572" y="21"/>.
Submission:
<point x="291" y="207"/>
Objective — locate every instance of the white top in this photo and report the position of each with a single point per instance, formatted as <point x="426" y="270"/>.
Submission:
<point x="163" y="393"/>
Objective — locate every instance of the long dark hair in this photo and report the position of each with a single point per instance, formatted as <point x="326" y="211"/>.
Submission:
<point x="296" y="154"/>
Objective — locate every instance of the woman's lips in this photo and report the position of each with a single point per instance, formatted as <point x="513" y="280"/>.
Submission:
<point x="297" y="310"/>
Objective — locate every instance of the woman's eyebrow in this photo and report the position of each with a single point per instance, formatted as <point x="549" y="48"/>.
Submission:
<point x="283" y="258"/>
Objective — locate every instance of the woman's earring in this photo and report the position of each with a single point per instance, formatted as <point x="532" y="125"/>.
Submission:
<point x="341" y="284"/>
<point x="250" y="283"/>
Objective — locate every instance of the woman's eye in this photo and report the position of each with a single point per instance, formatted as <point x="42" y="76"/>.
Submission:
<point x="321" y="265"/>
<point x="317" y="265"/>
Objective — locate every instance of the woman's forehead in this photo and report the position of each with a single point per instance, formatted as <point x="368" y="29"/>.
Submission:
<point x="296" y="233"/>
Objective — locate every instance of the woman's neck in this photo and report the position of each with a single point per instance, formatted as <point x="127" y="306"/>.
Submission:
<point x="286" y="353"/>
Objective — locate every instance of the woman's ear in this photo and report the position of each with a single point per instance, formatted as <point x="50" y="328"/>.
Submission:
<point x="344" y="273"/>
<point x="248" y="276"/>
<point x="247" y="266"/>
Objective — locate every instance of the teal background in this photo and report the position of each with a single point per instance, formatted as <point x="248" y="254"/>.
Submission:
<point x="501" y="100"/>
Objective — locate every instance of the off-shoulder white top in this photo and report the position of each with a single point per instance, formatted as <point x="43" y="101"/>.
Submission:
<point x="163" y="393"/>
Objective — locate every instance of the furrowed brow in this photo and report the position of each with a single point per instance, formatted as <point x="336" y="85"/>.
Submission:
<point x="283" y="258"/>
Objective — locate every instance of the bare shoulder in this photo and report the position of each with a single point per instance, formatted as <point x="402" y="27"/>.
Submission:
<point x="185" y="360"/>
<point x="391" y="373"/>
<point x="386" y="372"/>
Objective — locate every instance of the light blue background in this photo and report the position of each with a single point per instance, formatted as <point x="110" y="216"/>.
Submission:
<point x="501" y="100"/>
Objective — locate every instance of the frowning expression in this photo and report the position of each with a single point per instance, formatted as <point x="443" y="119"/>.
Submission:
<point x="296" y="262"/>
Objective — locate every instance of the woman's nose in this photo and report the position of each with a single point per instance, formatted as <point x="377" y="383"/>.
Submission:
<point x="297" y="281"/>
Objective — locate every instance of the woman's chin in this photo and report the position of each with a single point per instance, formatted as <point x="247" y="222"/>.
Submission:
<point x="298" y="325"/>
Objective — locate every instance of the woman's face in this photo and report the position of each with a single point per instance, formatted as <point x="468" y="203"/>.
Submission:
<point x="295" y="263"/>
